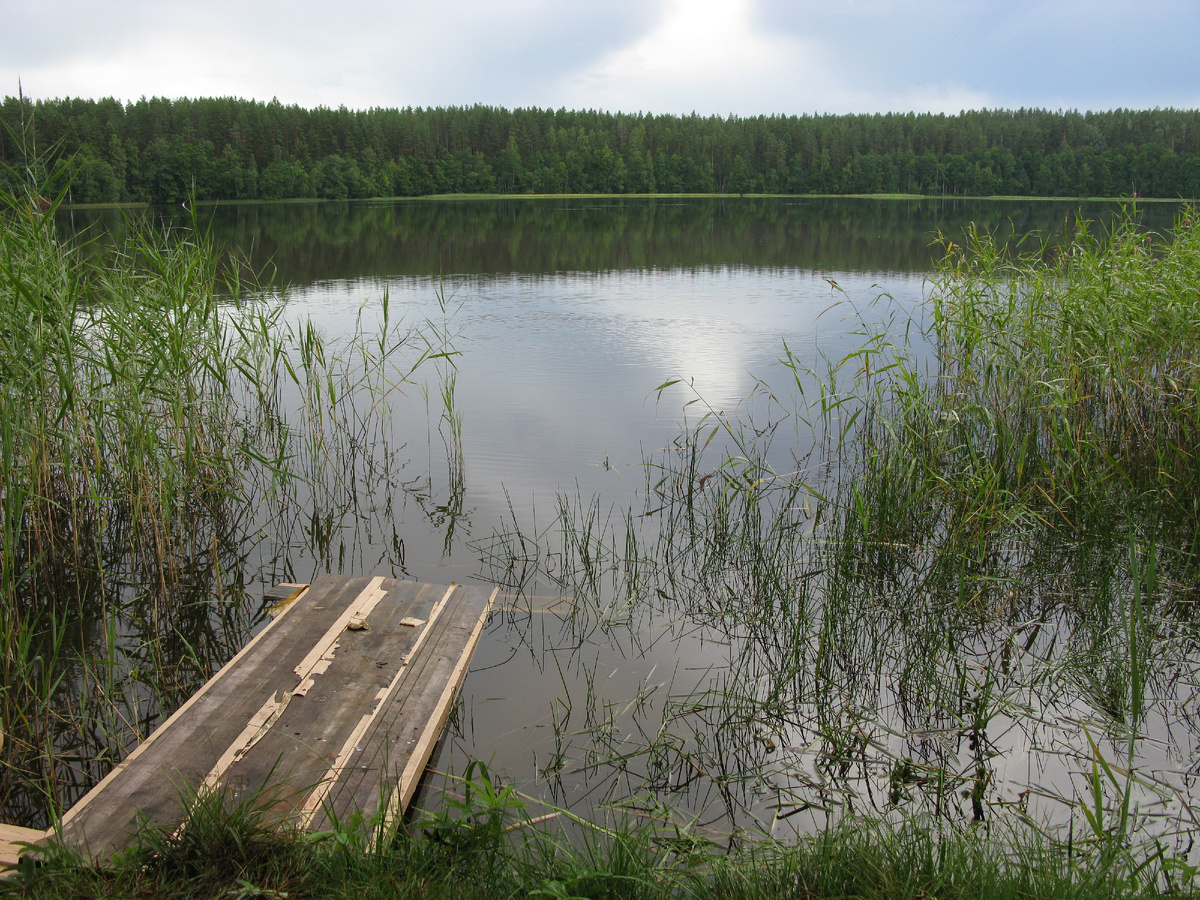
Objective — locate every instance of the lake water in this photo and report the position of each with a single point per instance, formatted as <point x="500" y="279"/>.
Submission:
<point x="567" y="316"/>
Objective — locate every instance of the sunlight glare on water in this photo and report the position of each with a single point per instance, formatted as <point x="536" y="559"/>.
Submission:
<point x="559" y="373"/>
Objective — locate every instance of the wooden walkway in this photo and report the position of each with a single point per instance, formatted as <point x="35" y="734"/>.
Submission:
<point x="333" y="709"/>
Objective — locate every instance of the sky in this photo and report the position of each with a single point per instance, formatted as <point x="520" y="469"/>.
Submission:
<point x="713" y="57"/>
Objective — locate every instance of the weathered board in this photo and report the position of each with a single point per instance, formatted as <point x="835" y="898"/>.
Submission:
<point x="11" y="839"/>
<point x="332" y="709"/>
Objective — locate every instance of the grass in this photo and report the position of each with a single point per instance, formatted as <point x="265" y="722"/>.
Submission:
<point x="486" y="845"/>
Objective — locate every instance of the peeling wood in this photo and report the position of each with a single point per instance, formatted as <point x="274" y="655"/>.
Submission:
<point x="359" y="609"/>
<point x="351" y="746"/>
<point x="260" y="723"/>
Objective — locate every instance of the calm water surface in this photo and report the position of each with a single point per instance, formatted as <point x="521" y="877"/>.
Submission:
<point x="568" y="316"/>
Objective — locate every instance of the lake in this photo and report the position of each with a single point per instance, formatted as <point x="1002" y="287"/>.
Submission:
<point x="568" y="314"/>
<point x="589" y="337"/>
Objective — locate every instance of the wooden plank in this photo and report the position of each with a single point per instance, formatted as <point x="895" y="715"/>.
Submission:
<point x="358" y="676"/>
<point x="11" y="839"/>
<point x="285" y="590"/>
<point x="346" y="763"/>
<point x="301" y="748"/>
<point x="352" y="743"/>
<point x="162" y="771"/>
<point x="82" y="808"/>
<point x="401" y="793"/>
<point x="396" y="744"/>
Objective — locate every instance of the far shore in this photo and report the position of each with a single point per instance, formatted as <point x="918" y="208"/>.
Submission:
<point x="715" y="196"/>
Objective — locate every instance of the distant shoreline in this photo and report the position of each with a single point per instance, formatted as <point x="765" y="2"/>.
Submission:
<point x="656" y="196"/>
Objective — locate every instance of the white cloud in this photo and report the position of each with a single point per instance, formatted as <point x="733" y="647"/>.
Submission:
<point x="706" y="56"/>
<point x="943" y="98"/>
<point x="741" y="56"/>
<point x="716" y="57"/>
<point x="697" y="40"/>
<point x="358" y="53"/>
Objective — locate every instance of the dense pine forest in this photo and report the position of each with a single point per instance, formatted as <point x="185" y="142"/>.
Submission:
<point x="163" y="151"/>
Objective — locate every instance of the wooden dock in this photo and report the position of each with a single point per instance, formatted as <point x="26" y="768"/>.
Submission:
<point x="333" y="709"/>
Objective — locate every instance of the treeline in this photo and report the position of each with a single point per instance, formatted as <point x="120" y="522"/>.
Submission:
<point x="163" y="151"/>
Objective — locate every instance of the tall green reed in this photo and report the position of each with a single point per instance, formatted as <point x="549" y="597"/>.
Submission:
<point x="930" y="602"/>
<point x="169" y="436"/>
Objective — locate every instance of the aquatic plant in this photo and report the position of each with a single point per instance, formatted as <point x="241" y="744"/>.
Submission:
<point x="964" y="593"/>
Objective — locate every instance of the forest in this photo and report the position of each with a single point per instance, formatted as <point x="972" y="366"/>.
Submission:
<point x="163" y="151"/>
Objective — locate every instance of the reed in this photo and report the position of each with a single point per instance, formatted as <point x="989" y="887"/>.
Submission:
<point x="963" y="592"/>
<point x="169" y="436"/>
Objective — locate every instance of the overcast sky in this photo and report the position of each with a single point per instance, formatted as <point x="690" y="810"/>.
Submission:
<point x="663" y="56"/>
